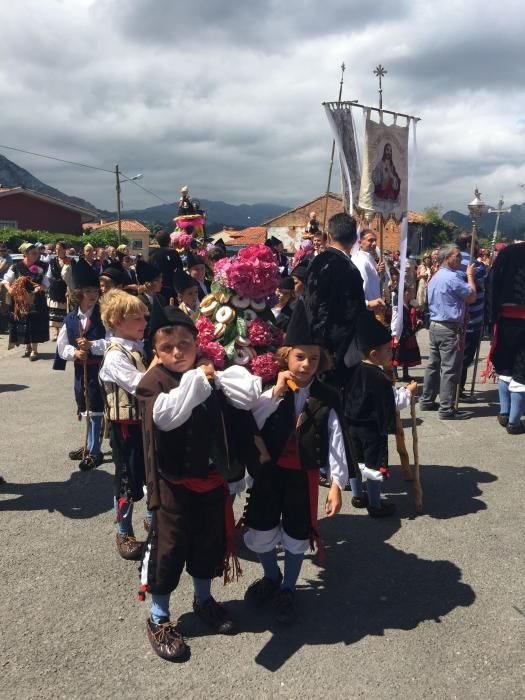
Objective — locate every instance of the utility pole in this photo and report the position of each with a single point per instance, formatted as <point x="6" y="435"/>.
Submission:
<point x="119" y="223"/>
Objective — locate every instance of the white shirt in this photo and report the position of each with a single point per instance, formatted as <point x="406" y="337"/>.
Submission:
<point x="267" y="405"/>
<point x="367" y="266"/>
<point x="67" y="351"/>
<point x="173" y="409"/>
<point x="118" y="368"/>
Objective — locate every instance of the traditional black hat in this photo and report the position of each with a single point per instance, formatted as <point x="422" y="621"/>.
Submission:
<point x="272" y="241"/>
<point x="192" y="259"/>
<point x="83" y="274"/>
<point x="115" y="272"/>
<point x="286" y="284"/>
<point x="300" y="270"/>
<point x="300" y="331"/>
<point x="162" y="316"/>
<point x="219" y="243"/>
<point x="371" y="333"/>
<point x="146" y="272"/>
<point x="182" y="281"/>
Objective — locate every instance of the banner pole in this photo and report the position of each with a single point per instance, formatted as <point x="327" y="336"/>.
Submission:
<point x="332" y="154"/>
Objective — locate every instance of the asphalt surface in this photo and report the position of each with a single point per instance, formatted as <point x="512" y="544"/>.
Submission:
<point x="409" y="607"/>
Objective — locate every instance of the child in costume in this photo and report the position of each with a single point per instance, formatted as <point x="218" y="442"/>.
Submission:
<point x="82" y="341"/>
<point x="150" y="283"/>
<point x="187" y="290"/>
<point x="191" y="450"/>
<point x="197" y="269"/>
<point x="405" y="348"/>
<point x="371" y="407"/>
<point x="302" y="425"/>
<point x="285" y="301"/>
<point x="123" y="368"/>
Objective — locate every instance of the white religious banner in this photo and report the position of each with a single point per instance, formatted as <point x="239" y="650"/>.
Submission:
<point x="384" y="181"/>
<point x="342" y="124"/>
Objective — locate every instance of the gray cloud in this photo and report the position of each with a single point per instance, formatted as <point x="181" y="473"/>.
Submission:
<point x="225" y="96"/>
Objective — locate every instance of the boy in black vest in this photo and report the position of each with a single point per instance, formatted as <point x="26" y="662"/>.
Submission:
<point x="123" y="368"/>
<point x="303" y="428"/>
<point x="82" y="340"/>
<point x="371" y="404"/>
<point x="191" y="452"/>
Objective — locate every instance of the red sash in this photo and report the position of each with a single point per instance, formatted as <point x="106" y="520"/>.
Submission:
<point x="505" y="312"/>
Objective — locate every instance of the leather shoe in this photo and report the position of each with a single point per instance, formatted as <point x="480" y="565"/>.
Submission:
<point x="456" y="415"/>
<point x="384" y="511"/>
<point x="428" y="406"/>
<point x="129" y="548"/>
<point x="76" y="454"/>
<point x="166" y="641"/>
<point x="503" y="419"/>
<point x="360" y="502"/>
<point x="515" y="429"/>
<point x="215" y="616"/>
<point x="261" y="592"/>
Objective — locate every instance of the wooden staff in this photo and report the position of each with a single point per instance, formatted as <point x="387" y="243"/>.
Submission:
<point x="476" y="362"/>
<point x="415" y="447"/>
<point x="400" y="435"/>
<point x="86" y="401"/>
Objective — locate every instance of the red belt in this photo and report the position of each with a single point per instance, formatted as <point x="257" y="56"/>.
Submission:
<point x="124" y="426"/>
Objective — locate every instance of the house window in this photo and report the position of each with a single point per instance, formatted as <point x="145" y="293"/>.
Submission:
<point x="136" y="244"/>
<point x="8" y="224"/>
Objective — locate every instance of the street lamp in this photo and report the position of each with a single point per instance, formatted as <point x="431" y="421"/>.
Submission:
<point x="476" y="209"/>
<point x="120" y="179"/>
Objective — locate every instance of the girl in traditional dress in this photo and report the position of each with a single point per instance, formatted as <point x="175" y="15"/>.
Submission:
<point x="29" y="321"/>
<point x="405" y="348"/>
<point x="58" y="288"/>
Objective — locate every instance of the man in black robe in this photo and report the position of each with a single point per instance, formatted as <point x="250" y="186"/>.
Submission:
<point x="334" y="293"/>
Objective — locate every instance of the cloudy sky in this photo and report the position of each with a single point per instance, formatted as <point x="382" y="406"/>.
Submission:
<point x="225" y="95"/>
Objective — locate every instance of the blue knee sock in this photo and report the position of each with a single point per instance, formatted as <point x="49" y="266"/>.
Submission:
<point x="269" y="564"/>
<point x="202" y="589"/>
<point x="517" y="405"/>
<point x="149" y="516"/>
<point x="292" y="569"/>
<point x="504" y="397"/>
<point x="374" y="493"/>
<point x="125" y="524"/>
<point x="95" y="425"/>
<point x="160" y="607"/>
<point x="357" y="489"/>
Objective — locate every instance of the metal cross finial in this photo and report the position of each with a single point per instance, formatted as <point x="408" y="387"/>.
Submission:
<point x="380" y="72"/>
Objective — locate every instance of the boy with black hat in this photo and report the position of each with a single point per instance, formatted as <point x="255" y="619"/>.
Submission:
<point x="150" y="283"/>
<point x="191" y="450"/>
<point x="82" y="341"/>
<point x="371" y="404"/>
<point x="187" y="289"/>
<point x="302" y="425"/>
<point x="284" y="307"/>
<point x="197" y="270"/>
<point x="113" y="277"/>
<point x="121" y="371"/>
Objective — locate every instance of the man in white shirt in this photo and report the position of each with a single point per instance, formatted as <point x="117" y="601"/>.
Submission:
<point x="370" y="270"/>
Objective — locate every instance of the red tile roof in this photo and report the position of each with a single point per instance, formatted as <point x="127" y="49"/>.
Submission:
<point x="248" y="236"/>
<point x="131" y="225"/>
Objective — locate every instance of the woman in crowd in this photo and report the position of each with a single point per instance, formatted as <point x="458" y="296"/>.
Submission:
<point x="29" y="313"/>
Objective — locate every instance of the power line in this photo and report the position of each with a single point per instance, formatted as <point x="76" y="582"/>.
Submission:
<point x="60" y="160"/>
<point x="129" y="179"/>
<point x="84" y="165"/>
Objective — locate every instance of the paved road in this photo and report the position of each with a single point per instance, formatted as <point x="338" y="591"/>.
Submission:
<point x="432" y="606"/>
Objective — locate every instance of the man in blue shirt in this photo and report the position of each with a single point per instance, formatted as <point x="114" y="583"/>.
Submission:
<point x="448" y="295"/>
<point x="476" y="310"/>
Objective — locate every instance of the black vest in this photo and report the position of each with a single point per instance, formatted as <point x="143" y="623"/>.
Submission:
<point x="312" y="434"/>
